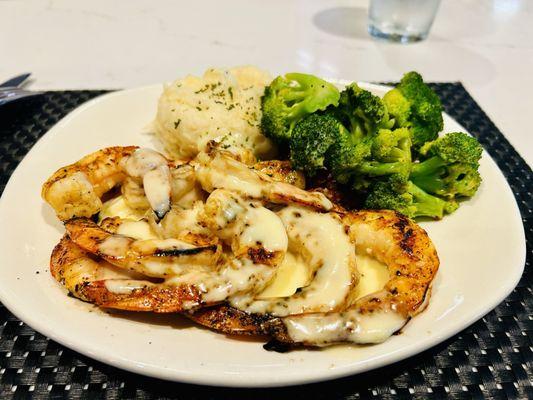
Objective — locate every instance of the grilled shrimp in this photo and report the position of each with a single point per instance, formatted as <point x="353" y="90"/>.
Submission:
<point x="96" y="281"/>
<point x="185" y="189"/>
<point x="158" y="258"/>
<point x="72" y="267"/>
<point x="76" y="190"/>
<point x="220" y="171"/>
<point x="148" y="181"/>
<point x="194" y="275"/>
<point x="181" y="223"/>
<point x="281" y="171"/>
<point x="77" y="270"/>
<point x="219" y="244"/>
<point x="412" y="262"/>
<point x="229" y="320"/>
<point x="320" y="239"/>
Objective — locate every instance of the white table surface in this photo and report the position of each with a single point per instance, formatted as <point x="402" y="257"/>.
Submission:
<point x="68" y="44"/>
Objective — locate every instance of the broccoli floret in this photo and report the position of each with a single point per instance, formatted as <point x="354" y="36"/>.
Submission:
<point x="448" y="170"/>
<point x="311" y="139"/>
<point x="347" y="154"/>
<point x="391" y="153"/>
<point x="385" y="153"/>
<point x="414" y="105"/>
<point x="355" y="157"/>
<point x="454" y="147"/>
<point x="404" y="196"/>
<point x="449" y="166"/>
<point x="361" y="112"/>
<point x="288" y="99"/>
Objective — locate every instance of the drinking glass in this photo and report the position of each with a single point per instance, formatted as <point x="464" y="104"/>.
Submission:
<point x="403" y="21"/>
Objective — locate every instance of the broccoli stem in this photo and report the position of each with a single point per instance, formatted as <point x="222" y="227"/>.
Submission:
<point x="374" y="168"/>
<point x="426" y="175"/>
<point x="427" y="167"/>
<point x="357" y="132"/>
<point x="431" y="184"/>
<point x="399" y="154"/>
<point x="426" y="204"/>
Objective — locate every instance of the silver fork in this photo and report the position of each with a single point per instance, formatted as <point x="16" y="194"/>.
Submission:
<point x="11" y="90"/>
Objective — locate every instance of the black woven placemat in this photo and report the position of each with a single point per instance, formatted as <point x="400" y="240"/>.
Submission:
<point x="492" y="358"/>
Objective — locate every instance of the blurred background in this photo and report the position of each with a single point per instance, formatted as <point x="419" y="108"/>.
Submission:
<point x="66" y="44"/>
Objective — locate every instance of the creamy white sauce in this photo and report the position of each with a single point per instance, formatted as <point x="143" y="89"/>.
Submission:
<point x="147" y="256"/>
<point x="227" y="173"/>
<point x="139" y="230"/>
<point x="121" y="286"/>
<point x="150" y="247"/>
<point x="324" y="244"/>
<point x="152" y="168"/>
<point x="156" y="185"/>
<point x="163" y="268"/>
<point x="143" y="161"/>
<point x="223" y="172"/>
<point x="109" y="271"/>
<point x="351" y="325"/>
<point x="115" y="246"/>
<point x="243" y="224"/>
<point x="227" y="209"/>
<point x="232" y="278"/>
<point x="117" y="207"/>
<point x="180" y="222"/>
<point x="348" y="326"/>
<point x="262" y="227"/>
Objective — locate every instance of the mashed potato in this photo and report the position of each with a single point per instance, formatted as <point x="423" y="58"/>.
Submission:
<point x="223" y="105"/>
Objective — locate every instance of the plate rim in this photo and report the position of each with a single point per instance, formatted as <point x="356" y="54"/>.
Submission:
<point x="223" y="379"/>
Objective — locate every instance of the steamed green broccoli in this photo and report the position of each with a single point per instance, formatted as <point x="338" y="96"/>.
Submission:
<point x="402" y="195"/>
<point x="448" y="170"/>
<point x="347" y="154"/>
<point x="311" y="139"/>
<point x="391" y="153"/>
<point x="415" y="105"/>
<point x="364" y="116"/>
<point x="385" y="153"/>
<point x="362" y="112"/>
<point x="449" y="166"/>
<point x="290" y="98"/>
<point x="343" y="136"/>
<point x="386" y="150"/>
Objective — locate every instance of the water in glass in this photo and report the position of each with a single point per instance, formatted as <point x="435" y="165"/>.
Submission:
<point x="401" y="20"/>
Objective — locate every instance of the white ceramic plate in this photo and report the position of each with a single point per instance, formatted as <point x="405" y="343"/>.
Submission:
<point x="481" y="247"/>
